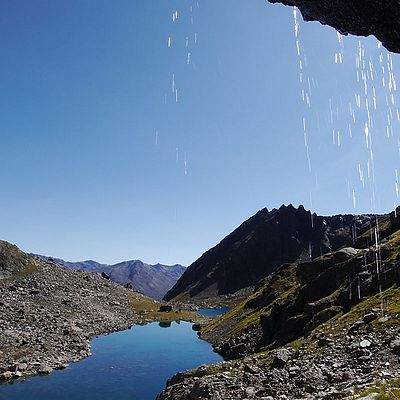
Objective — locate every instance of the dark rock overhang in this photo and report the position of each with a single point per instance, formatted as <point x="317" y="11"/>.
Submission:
<point x="380" y="18"/>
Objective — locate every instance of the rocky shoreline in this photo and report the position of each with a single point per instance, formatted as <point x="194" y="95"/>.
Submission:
<point x="48" y="317"/>
<point x="49" y="313"/>
<point x="324" y="365"/>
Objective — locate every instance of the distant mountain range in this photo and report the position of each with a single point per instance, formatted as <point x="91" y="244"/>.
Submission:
<point x="152" y="280"/>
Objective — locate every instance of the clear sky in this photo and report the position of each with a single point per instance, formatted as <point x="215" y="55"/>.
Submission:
<point x="94" y="144"/>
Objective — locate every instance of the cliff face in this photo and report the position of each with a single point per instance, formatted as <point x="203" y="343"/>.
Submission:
<point x="380" y="18"/>
<point x="323" y="329"/>
<point x="260" y="245"/>
<point x="300" y="296"/>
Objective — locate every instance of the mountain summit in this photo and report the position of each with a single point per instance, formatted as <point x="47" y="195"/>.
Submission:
<point x="263" y="243"/>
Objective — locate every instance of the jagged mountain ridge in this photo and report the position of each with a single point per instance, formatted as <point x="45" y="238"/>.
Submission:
<point x="263" y="243"/>
<point x="297" y="297"/>
<point x="151" y="280"/>
<point x="322" y="329"/>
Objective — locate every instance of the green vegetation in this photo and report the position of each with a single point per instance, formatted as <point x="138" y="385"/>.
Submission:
<point x="394" y="246"/>
<point x="148" y="309"/>
<point x="384" y="226"/>
<point x="277" y="290"/>
<point x="389" y="390"/>
<point x="29" y="269"/>
<point x="14" y="263"/>
<point x="233" y="313"/>
<point x="182" y="296"/>
<point x="253" y="317"/>
<point x="389" y="299"/>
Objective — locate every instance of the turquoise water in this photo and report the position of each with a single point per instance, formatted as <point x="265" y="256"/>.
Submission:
<point x="132" y="364"/>
<point x="212" y="312"/>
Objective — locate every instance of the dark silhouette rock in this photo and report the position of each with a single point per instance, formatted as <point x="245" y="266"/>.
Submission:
<point x="380" y="18"/>
<point x="165" y="308"/>
<point x="105" y="276"/>
<point x="196" y="327"/>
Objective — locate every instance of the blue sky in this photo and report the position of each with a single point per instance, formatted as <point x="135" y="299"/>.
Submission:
<point x="86" y="85"/>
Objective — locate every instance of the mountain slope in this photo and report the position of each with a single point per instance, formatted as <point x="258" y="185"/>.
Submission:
<point x="151" y="280"/>
<point x="322" y="329"/>
<point x="48" y="313"/>
<point x="263" y="243"/>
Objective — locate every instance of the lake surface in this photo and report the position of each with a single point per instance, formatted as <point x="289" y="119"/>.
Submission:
<point x="132" y="364"/>
<point x="212" y="312"/>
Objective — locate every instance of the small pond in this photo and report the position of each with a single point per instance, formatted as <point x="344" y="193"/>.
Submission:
<point x="133" y="364"/>
<point x="213" y="312"/>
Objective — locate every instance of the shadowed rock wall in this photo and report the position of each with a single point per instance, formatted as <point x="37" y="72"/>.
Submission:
<point x="380" y="18"/>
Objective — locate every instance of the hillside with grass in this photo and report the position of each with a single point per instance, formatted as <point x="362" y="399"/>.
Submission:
<point x="327" y="328"/>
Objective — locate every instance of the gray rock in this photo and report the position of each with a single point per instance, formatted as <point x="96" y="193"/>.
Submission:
<point x="365" y="343"/>
<point x="5" y="376"/>
<point x="44" y="370"/>
<point x="395" y="346"/>
<point x="356" y="326"/>
<point x="22" y="366"/>
<point x="281" y="358"/>
<point x="251" y="369"/>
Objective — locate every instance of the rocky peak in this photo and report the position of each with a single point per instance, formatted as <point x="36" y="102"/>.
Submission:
<point x="263" y="243"/>
<point x="13" y="261"/>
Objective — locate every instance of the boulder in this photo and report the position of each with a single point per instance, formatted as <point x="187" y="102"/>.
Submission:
<point x="44" y="370"/>
<point x="105" y="276"/>
<point x="251" y="369"/>
<point x="281" y="358"/>
<point x="365" y="343"/>
<point x="5" y="376"/>
<point x="395" y="346"/>
<point x="165" y="308"/>
<point x="368" y="318"/>
<point x="196" y="327"/>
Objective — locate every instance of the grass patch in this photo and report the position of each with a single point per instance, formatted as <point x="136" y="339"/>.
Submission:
<point x="394" y="246"/>
<point x="337" y="326"/>
<point x="276" y="290"/>
<point x="148" y="310"/>
<point x="253" y="317"/>
<point x="389" y="390"/>
<point x="29" y="269"/>
<point x="234" y="312"/>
